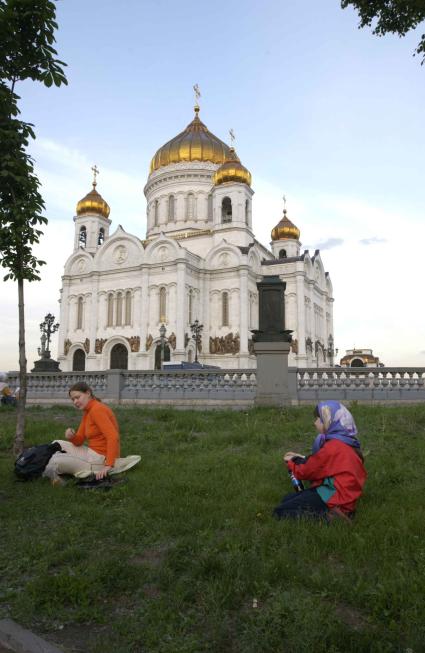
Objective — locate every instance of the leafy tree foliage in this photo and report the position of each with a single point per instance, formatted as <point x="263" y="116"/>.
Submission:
<point x="27" y="29"/>
<point x="392" y="16"/>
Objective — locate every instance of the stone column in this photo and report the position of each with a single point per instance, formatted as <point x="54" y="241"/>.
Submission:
<point x="143" y="316"/>
<point x="180" y="311"/>
<point x="301" y="319"/>
<point x="243" y="311"/>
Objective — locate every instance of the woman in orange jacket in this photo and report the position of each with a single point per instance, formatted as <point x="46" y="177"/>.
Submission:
<point x="98" y="427"/>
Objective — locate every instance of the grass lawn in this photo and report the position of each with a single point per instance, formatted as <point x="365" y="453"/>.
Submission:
<point x="185" y="557"/>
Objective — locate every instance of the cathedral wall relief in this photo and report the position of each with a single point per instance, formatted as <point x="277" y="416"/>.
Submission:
<point x="229" y="344"/>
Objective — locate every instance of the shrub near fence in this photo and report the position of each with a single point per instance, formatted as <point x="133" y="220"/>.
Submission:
<point x="233" y="388"/>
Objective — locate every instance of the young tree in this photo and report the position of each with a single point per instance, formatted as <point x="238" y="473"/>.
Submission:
<point x="392" y="16"/>
<point x="27" y="30"/>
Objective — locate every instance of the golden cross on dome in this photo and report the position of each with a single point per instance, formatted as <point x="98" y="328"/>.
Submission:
<point x="284" y="203"/>
<point x="95" y="172"/>
<point x="232" y="136"/>
<point x="197" y="93"/>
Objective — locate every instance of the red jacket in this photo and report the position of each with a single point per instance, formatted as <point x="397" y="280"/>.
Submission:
<point x="100" y="427"/>
<point x="337" y="472"/>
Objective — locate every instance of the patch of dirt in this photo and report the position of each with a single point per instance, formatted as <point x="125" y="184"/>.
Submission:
<point x="153" y="557"/>
<point x="76" y="638"/>
<point x="151" y="591"/>
<point x="351" y="617"/>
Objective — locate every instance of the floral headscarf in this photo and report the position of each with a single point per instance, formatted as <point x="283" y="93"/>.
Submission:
<point x="339" y="425"/>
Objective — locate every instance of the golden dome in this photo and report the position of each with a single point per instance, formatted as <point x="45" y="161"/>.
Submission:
<point x="285" y="229"/>
<point x="195" y="143"/>
<point x="93" y="203"/>
<point x="232" y="170"/>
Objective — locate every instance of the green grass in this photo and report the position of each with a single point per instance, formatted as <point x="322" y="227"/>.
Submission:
<point x="172" y="561"/>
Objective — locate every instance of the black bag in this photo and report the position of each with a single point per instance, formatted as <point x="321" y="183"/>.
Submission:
<point x="32" y="462"/>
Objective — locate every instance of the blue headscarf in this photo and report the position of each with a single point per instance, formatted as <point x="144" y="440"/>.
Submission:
<point x="339" y="425"/>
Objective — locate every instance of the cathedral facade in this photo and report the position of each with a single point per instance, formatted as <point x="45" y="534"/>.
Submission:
<point x="200" y="261"/>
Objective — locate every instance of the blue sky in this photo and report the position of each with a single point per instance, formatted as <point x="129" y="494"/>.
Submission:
<point x="326" y="113"/>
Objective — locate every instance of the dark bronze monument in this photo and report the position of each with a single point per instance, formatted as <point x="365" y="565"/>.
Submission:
<point x="271" y="306"/>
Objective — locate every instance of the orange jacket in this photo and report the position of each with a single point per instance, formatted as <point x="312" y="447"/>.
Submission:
<point x="100" y="427"/>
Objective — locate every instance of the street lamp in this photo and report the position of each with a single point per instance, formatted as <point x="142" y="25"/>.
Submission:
<point x="162" y="332"/>
<point x="196" y="329"/>
<point x="47" y="328"/>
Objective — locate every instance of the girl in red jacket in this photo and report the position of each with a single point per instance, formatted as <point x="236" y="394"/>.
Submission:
<point x="335" y="469"/>
<point x="98" y="428"/>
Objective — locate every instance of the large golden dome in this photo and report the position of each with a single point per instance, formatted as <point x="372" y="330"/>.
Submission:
<point x="195" y="143"/>
<point x="232" y="170"/>
<point x="285" y="229"/>
<point x="93" y="203"/>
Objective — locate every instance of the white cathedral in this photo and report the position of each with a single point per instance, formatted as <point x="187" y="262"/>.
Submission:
<point x="200" y="260"/>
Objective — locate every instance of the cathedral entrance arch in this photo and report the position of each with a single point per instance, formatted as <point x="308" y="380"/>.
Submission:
<point x="79" y="361"/>
<point x="158" y="356"/>
<point x="357" y="362"/>
<point x="119" y="357"/>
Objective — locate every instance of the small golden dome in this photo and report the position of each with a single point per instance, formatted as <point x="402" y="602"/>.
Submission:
<point x="93" y="203"/>
<point x="195" y="143"/>
<point x="232" y="170"/>
<point x="285" y="229"/>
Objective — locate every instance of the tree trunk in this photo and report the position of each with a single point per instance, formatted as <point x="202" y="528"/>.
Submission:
<point x="20" y="420"/>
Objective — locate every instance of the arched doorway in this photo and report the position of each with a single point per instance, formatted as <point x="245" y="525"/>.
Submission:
<point x="357" y="362"/>
<point x="119" y="357"/>
<point x="158" y="356"/>
<point x="79" y="361"/>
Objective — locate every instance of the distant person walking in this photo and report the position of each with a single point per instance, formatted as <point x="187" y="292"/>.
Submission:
<point x="335" y="469"/>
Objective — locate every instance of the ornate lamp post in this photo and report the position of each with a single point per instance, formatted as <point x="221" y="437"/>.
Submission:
<point x="162" y="332"/>
<point x="196" y="329"/>
<point x="47" y="328"/>
<point x="46" y="363"/>
<point x="331" y="351"/>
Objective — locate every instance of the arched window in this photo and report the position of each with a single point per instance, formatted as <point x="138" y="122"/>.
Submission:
<point x="225" y="309"/>
<point x="118" y="320"/>
<point x="226" y="210"/>
<point x="162" y="305"/>
<point x="155" y="213"/>
<point x="78" y="361"/>
<point x="119" y="357"/>
<point x="101" y="236"/>
<point x="171" y="208"/>
<point x="128" y="308"/>
<point x="357" y="362"/>
<point x="210" y="207"/>
<point x="282" y="253"/>
<point x="246" y="211"/>
<point x="190" y="208"/>
<point x="80" y="308"/>
<point x="110" y="318"/>
<point x="82" y="238"/>
<point x="190" y="307"/>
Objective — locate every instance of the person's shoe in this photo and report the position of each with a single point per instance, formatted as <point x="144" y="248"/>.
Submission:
<point x="54" y="477"/>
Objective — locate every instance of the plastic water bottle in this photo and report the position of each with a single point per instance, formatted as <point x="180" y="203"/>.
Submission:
<point x="296" y="484"/>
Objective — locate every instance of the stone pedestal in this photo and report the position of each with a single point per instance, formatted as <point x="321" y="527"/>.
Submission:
<point x="46" y="365"/>
<point x="276" y="385"/>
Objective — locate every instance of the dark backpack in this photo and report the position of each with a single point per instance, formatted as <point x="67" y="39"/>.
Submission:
<point x="32" y="462"/>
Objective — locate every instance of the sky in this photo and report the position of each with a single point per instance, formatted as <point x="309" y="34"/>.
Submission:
<point x="324" y="113"/>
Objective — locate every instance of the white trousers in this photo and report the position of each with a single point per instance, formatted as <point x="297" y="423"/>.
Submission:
<point x="75" y="459"/>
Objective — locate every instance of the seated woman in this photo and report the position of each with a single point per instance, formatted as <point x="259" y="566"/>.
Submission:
<point x="335" y="469"/>
<point x="8" y="398"/>
<point x="100" y="428"/>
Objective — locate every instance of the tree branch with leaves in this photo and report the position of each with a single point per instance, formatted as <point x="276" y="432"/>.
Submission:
<point x="391" y="17"/>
